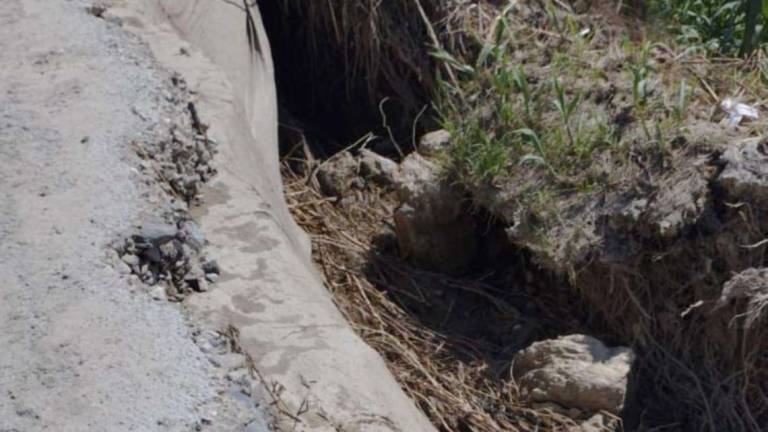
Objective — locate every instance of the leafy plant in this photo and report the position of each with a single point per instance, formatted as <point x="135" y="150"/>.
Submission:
<point x="640" y="71"/>
<point x="681" y="104"/>
<point x="521" y="85"/>
<point x="565" y="108"/>
<point x="726" y="27"/>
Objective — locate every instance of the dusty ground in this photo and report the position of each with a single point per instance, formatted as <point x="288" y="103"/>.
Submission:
<point x="82" y="348"/>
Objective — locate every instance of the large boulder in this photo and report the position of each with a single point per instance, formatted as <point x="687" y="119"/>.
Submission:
<point x="433" y="230"/>
<point x="575" y="371"/>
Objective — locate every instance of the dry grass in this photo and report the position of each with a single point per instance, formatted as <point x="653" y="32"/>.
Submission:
<point x="456" y="380"/>
<point x="388" y="44"/>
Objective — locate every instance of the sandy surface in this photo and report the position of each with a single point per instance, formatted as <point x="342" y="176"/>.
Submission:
<point x="82" y="349"/>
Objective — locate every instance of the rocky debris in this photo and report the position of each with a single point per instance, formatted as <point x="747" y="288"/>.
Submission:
<point x="170" y="255"/>
<point x="222" y="350"/>
<point x="432" y="228"/>
<point x="339" y="174"/>
<point x="575" y="371"/>
<point x="184" y="160"/>
<point x="745" y="175"/>
<point x="434" y="143"/>
<point x="377" y="168"/>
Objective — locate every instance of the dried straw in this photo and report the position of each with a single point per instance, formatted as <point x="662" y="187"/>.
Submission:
<point x="447" y="376"/>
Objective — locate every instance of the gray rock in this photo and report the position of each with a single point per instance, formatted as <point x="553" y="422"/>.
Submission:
<point x="378" y="168"/>
<point x="336" y="175"/>
<point x="157" y="233"/>
<point x="434" y="143"/>
<point x="575" y="371"/>
<point x="193" y="235"/>
<point x="195" y="278"/>
<point x="432" y="229"/>
<point x="130" y="259"/>
<point x="158" y="293"/>
<point x="212" y="267"/>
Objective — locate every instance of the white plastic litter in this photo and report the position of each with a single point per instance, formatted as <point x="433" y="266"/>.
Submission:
<point x="738" y="111"/>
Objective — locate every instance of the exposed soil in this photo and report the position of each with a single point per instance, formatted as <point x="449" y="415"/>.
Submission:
<point x="657" y="244"/>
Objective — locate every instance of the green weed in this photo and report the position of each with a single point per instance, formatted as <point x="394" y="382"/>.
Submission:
<point x="725" y="27"/>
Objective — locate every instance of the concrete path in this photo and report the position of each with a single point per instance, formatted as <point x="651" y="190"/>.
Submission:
<point x="81" y="349"/>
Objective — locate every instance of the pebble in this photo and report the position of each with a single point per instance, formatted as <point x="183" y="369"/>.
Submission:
<point x="130" y="259"/>
<point x="212" y="267"/>
<point x="158" y="293"/>
<point x="212" y="277"/>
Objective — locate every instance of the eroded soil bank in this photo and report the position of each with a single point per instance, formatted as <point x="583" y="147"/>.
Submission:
<point x="644" y="228"/>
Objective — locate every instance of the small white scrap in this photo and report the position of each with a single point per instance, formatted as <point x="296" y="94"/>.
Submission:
<point x="738" y="111"/>
<point x="691" y="308"/>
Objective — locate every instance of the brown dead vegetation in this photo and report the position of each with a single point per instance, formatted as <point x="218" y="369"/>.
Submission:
<point x="448" y="341"/>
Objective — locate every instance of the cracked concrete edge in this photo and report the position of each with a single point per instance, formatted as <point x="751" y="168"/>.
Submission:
<point x="325" y="377"/>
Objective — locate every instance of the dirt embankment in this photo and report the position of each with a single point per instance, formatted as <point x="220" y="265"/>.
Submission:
<point x="647" y="230"/>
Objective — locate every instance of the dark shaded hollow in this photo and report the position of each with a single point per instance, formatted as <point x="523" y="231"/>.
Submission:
<point x="320" y="96"/>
